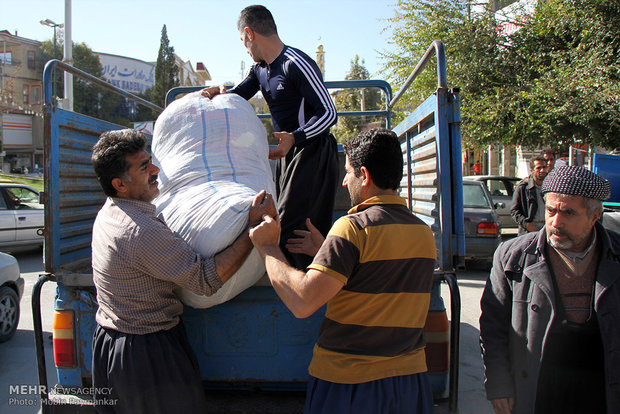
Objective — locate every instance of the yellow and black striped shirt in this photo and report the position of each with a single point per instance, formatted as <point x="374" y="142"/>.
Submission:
<point x="373" y="327"/>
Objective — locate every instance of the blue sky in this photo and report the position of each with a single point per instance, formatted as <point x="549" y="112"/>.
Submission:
<point x="205" y="30"/>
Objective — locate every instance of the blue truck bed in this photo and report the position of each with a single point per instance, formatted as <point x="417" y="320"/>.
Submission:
<point x="252" y="340"/>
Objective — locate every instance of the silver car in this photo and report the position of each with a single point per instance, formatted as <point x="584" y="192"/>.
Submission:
<point x="22" y="217"/>
<point x="11" y="290"/>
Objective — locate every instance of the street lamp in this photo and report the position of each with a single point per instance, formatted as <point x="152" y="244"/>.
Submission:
<point x="50" y="23"/>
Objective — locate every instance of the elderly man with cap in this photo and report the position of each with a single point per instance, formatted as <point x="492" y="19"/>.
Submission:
<point x="550" y="323"/>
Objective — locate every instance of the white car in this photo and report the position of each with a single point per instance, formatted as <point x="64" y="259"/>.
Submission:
<point x="11" y="290"/>
<point x="22" y="218"/>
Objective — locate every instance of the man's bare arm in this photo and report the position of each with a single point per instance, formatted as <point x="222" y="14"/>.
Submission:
<point x="303" y="293"/>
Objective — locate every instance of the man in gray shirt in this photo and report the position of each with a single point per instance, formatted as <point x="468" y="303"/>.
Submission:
<point x="141" y="355"/>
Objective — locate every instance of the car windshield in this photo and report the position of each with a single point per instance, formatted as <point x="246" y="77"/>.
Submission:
<point x="473" y="196"/>
<point x="24" y="198"/>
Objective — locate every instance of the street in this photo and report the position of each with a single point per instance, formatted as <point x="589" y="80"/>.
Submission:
<point x="17" y="356"/>
<point x="19" y="368"/>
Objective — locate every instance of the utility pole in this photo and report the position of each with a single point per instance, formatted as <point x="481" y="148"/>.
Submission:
<point x="68" y="58"/>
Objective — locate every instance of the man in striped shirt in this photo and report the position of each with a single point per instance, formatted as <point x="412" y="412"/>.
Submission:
<point x="374" y="270"/>
<point x="302" y="112"/>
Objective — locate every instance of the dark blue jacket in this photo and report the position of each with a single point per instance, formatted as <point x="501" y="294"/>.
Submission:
<point x="293" y="87"/>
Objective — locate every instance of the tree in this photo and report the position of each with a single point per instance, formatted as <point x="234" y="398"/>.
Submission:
<point x="166" y="70"/>
<point x="355" y="100"/>
<point x="88" y="98"/>
<point x="554" y="81"/>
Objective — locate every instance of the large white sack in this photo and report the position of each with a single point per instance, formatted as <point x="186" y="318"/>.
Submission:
<point x="213" y="156"/>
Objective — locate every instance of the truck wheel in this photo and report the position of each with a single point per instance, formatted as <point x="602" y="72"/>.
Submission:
<point x="9" y="313"/>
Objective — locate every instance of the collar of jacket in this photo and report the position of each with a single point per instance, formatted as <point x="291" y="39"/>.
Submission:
<point x="530" y="183"/>
<point x="533" y="266"/>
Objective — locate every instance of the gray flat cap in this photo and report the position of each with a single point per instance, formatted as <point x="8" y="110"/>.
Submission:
<point x="573" y="180"/>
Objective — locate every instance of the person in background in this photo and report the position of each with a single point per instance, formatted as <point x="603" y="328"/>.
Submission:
<point x="562" y="160"/>
<point x="477" y="167"/>
<point x="302" y="112"/>
<point x="375" y="271"/>
<point x="549" y="155"/>
<point x="528" y="207"/>
<point x="549" y="330"/>
<point x="141" y="353"/>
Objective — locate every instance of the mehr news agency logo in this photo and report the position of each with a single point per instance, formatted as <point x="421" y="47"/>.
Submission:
<point x="22" y="395"/>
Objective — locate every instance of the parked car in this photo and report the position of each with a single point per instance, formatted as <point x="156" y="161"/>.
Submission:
<point x="482" y="230"/>
<point x="21" y="217"/>
<point x="11" y="290"/>
<point x="501" y="189"/>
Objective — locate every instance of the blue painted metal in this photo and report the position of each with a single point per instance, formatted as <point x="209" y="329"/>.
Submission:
<point x="431" y="142"/>
<point x="608" y="166"/>
<point x="72" y="194"/>
<point x="352" y="84"/>
<point x="234" y="341"/>
<point x="83" y="304"/>
<point x="253" y="340"/>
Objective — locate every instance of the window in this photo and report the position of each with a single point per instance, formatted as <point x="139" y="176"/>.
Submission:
<point x="24" y="198"/>
<point x="36" y="95"/>
<point x="26" y="94"/>
<point x="6" y="58"/>
<point x="32" y="61"/>
<point x="497" y="188"/>
<point x="473" y="196"/>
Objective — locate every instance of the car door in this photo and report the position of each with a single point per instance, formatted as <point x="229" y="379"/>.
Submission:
<point x="7" y="222"/>
<point x="501" y="192"/>
<point x="29" y="214"/>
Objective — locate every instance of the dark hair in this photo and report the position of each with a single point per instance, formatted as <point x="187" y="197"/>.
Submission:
<point x="259" y="19"/>
<point x="377" y="149"/>
<point x="537" y="158"/>
<point x="548" y="151"/>
<point x="109" y="155"/>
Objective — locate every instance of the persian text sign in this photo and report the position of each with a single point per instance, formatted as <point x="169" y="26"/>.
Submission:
<point x="131" y="75"/>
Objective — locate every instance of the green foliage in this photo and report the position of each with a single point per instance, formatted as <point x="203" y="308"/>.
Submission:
<point x="88" y="98"/>
<point x="356" y="100"/>
<point x="166" y="70"/>
<point x="144" y="113"/>
<point x="553" y="82"/>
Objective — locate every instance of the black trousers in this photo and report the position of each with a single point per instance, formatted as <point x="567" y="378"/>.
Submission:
<point x="572" y="374"/>
<point x="306" y="183"/>
<point x="153" y="373"/>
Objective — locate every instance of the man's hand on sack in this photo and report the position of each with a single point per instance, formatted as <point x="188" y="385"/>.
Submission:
<point x="262" y="205"/>
<point x="309" y="242"/>
<point x="266" y="234"/>
<point x="286" y="140"/>
<point x="211" y="91"/>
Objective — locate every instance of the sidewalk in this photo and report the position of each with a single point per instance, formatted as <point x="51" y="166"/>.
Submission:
<point x="471" y="397"/>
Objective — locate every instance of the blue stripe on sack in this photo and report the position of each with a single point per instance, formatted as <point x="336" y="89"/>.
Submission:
<point x="204" y="139"/>
<point x="204" y="155"/>
<point x="232" y="167"/>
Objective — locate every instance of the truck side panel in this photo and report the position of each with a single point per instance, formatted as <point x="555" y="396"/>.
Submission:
<point x="73" y="195"/>
<point x="432" y="180"/>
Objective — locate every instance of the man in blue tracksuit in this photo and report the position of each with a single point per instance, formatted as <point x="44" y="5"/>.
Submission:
<point x="302" y="112"/>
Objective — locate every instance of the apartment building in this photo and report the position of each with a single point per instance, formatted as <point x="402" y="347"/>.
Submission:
<point x="21" y="95"/>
